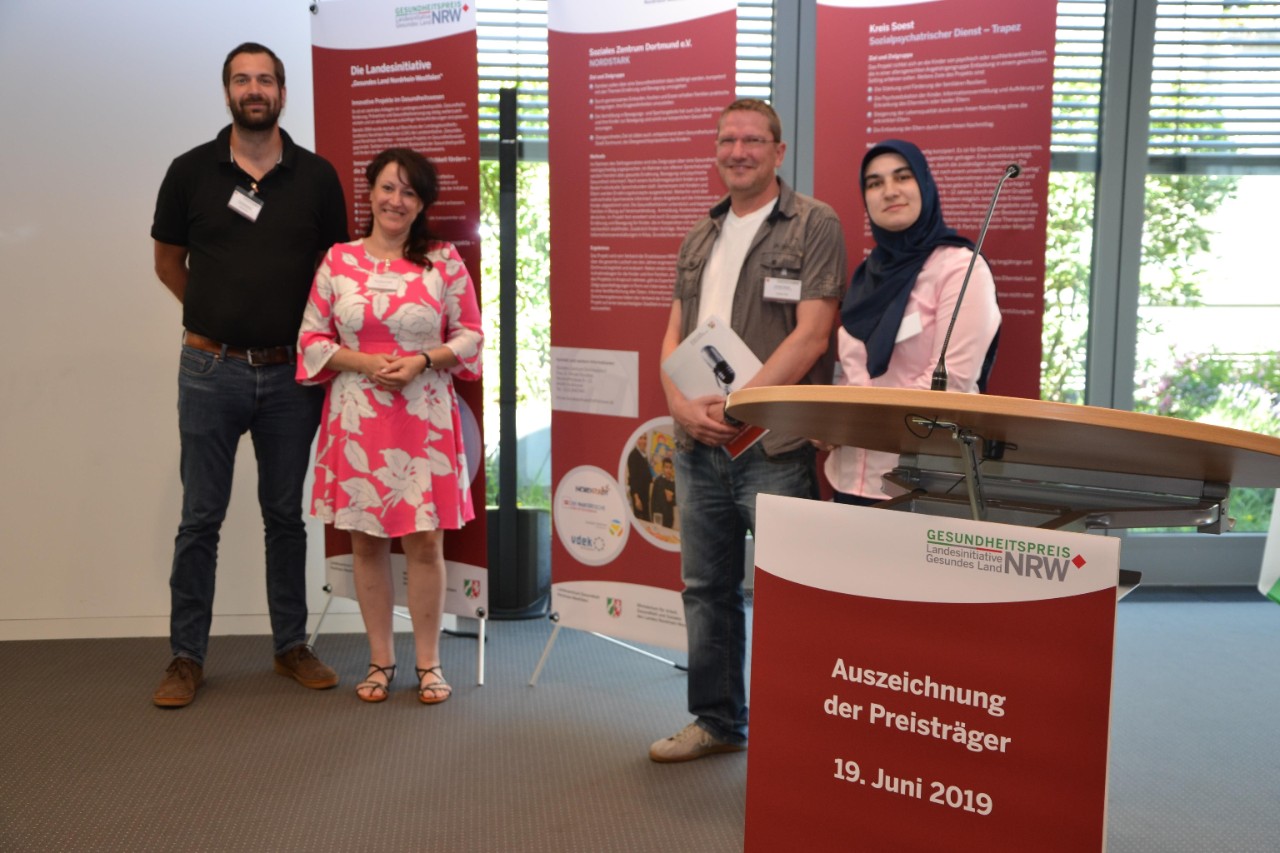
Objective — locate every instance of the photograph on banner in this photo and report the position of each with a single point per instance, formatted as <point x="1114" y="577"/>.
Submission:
<point x="951" y="677"/>
<point x="975" y="96"/>
<point x="647" y="467"/>
<point x="637" y="89"/>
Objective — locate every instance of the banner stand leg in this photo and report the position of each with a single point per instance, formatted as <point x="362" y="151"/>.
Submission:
<point x="311" y="641"/>
<point x="546" y="651"/>
<point x="482" y="616"/>
<point x="639" y="651"/>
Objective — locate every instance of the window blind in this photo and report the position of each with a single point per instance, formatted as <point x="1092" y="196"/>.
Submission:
<point x="511" y="40"/>
<point x="1215" y="86"/>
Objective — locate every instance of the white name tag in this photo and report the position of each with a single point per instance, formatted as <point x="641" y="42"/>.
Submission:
<point x="782" y="289"/>
<point x="385" y="282"/>
<point x="245" y="204"/>
<point x="909" y="328"/>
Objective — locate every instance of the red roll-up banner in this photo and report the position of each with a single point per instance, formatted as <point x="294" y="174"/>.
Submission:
<point x="390" y="74"/>
<point x="972" y="87"/>
<point x="636" y="91"/>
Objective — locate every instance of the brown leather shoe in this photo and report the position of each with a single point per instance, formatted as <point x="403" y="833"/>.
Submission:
<point x="178" y="688"/>
<point x="302" y="665"/>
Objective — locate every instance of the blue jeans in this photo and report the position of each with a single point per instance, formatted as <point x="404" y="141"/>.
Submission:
<point x="219" y="399"/>
<point x="717" y="508"/>
<point x="854" y="500"/>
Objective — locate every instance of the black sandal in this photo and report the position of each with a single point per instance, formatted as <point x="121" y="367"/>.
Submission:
<point x="439" y="690"/>
<point x="378" y="692"/>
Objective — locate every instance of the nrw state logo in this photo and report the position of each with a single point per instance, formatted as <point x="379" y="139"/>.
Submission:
<point x="427" y="14"/>
<point x="613" y="606"/>
<point x="471" y="588"/>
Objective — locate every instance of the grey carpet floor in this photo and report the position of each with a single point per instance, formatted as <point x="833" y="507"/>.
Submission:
<point x="259" y="763"/>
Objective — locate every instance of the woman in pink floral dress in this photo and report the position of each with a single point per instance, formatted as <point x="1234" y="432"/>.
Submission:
<point x="391" y="319"/>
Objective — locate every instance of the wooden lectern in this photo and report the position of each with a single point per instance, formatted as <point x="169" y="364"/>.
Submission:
<point x="1029" y="462"/>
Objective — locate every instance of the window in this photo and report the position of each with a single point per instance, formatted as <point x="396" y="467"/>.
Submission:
<point x="1077" y="100"/>
<point x="1208" y="306"/>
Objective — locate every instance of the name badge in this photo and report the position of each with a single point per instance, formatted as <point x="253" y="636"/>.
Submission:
<point x="246" y="204"/>
<point x="385" y="282"/>
<point x="909" y="328"/>
<point x="782" y="289"/>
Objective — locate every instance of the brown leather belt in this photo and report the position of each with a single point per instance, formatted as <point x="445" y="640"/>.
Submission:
<point x="256" y="356"/>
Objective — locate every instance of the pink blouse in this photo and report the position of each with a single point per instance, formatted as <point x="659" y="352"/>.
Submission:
<point x="855" y="471"/>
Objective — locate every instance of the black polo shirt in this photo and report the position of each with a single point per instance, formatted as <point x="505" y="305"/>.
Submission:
<point x="249" y="281"/>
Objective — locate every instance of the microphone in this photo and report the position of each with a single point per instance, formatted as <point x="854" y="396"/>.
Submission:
<point x="940" y="372"/>
<point x="723" y="372"/>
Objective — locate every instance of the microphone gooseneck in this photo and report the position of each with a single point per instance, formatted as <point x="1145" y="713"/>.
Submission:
<point x="940" y="372"/>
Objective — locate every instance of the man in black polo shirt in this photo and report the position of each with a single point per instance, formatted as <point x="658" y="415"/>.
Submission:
<point x="240" y="224"/>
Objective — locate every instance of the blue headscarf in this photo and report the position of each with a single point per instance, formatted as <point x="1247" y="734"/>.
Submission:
<point x="882" y="284"/>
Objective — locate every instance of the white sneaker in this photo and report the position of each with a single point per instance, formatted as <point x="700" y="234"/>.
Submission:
<point x="690" y="743"/>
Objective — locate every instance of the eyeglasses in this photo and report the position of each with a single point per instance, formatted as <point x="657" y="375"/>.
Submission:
<point x="749" y="142"/>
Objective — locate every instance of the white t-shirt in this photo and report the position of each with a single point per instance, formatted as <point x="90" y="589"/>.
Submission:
<point x="724" y="264"/>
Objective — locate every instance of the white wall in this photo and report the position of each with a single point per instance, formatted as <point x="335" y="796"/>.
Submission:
<point x="97" y="99"/>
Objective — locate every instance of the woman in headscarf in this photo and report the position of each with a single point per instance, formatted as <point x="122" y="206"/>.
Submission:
<point x="897" y="309"/>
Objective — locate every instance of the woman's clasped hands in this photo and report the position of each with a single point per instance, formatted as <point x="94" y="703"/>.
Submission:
<point x="392" y="371"/>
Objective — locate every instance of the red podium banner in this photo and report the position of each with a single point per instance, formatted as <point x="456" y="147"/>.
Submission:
<point x="949" y="687"/>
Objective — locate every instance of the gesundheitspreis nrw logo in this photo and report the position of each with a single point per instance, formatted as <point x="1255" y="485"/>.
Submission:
<point x="1022" y="558"/>
<point x="430" y="14"/>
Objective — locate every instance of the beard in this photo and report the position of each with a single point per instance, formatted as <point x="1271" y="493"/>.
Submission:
<point x="266" y="121"/>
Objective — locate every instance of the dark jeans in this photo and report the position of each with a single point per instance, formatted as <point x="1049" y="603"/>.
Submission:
<point x="717" y="508"/>
<point x="220" y="399"/>
<point x="854" y="500"/>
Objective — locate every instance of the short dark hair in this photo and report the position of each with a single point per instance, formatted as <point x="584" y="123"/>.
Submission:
<point x="421" y="175"/>
<point x="251" y="47"/>
<point x="754" y="105"/>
